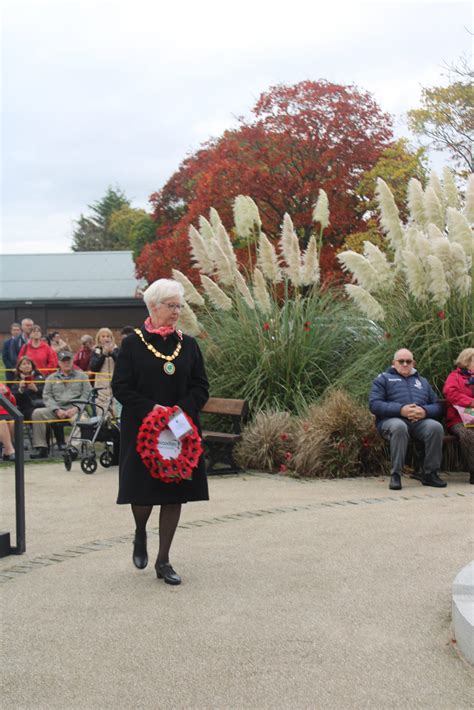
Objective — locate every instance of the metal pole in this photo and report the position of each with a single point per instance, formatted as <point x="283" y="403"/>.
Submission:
<point x="20" y="546"/>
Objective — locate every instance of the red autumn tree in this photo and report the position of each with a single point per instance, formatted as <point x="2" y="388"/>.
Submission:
<point x="302" y="138"/>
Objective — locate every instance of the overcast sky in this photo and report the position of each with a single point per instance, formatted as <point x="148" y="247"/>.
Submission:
<point x="117" y="92"/>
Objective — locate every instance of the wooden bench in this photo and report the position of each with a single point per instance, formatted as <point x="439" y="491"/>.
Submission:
<point x="218" y="445"/>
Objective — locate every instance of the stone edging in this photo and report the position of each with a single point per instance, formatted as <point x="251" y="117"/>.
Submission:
<point x="463" y="611"/>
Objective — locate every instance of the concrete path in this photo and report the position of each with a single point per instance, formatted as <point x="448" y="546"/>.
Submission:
<point x="315" y="594"/>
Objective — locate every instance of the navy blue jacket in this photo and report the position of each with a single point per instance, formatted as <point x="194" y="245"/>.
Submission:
<point x="390" y="392"/>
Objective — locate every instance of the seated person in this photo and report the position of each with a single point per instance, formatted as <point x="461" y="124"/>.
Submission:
<point x="459" y="392"/>
<point x="38" y="350"/>
<point x="405" y="405"/>
<point x="28" y="388"/>
<point x="7" y="426"/>
<point x="60" y="390"/>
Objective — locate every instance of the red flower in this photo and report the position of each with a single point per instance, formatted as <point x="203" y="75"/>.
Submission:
<point x="266" y="326"/>
<point x="341" y="446"/>
<point x="365" y="442"/>
<point x="307" y="326"/>
<point x="387" y="336"/>
<point x="441" y="315"/>
<point x="284" y="436"/>
<point x="283" y="468"/>
<point x="288" y="455"/>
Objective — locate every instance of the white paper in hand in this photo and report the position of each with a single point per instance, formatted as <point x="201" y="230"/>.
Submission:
<point x="179" y="425"/>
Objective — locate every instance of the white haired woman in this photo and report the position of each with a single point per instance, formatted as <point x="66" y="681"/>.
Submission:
<point x="459" y="392"/>
<point x="158" y="366"/>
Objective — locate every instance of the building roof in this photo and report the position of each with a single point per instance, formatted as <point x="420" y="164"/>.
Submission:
<point x="82" y="275"/>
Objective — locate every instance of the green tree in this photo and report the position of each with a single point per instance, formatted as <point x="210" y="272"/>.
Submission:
<point x="446" y="117"/>
<point x="93" y="233"/>
<point x="398" y="163"/>
<point x="131" y="228"/>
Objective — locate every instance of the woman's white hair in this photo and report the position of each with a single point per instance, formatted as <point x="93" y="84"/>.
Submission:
<point x="161" y="290"/>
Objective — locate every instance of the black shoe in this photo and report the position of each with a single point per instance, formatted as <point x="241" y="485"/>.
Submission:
<point x="140" y="554"/>
<point x="62" y="447"/>
<point x="432" y="479"/>
<point x="40" y="453"/>
<point x="8" y="457"/>
<point x="165" y="571"/>
<point x="395" y="482"/>
<point x="471" y="478"/>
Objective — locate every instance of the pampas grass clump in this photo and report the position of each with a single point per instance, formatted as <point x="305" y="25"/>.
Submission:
<point x="336" y="439"/>
<point x="268" y="442"/>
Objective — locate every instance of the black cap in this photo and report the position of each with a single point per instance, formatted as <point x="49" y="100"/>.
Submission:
<point x="65" y="355"/>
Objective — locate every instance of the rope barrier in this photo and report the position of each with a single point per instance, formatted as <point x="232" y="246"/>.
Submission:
<point x="107" y="378"/>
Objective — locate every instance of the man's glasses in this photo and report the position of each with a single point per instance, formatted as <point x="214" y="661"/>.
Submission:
<point x="172" y="306"/>
<point x="405" y="362"/>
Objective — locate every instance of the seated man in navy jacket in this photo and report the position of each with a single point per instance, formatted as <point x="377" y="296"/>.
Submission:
<point x="405" y="405"/>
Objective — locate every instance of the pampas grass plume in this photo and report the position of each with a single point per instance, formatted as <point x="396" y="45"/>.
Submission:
<point x="224" y="271"/>
<point x="260" y="292"/>
<point x="365" y="302"/>
<point x="451" y="194"/>
<point x="415" y="274"/>
<point x="200" y="252"/>
<point x="310" y="273"/>
<point x="416" y="202"/>
<point x="469" y="206"/>
<point x="437" y="284"/>
<point x="433" y="208"/>
<point x="217" y="297"/>
<point x="362" y="270"/>
<point x="190" y="293"/>
<point x="268" y="260"/>
<point x="459" y="231"/>
<point x="379" y="262"/>
<point x="244" y="289"/>
<point x="389" y="214"/>
<point x="225" y="244"/>
<point x="188" y="322"/>
<point x="321" y="210"/>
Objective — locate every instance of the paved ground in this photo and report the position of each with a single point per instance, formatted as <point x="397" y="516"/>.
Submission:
<point x="320" y="594"/>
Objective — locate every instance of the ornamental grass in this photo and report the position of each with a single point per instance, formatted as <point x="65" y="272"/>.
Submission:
<point x="268" y="442"/>
<point x="337" y="439"/>
<point x="418" y="290"/>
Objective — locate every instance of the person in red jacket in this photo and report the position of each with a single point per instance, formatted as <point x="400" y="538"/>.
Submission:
<point x="83" y="356"/>
<point x="42" y="354"/>
<point x="6" y="427"/>
<point x="459" y="392"/>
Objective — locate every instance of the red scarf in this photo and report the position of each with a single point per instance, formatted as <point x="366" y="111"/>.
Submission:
<point x="163" y="330"/>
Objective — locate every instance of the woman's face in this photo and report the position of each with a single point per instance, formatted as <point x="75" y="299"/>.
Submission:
<point x="26" y="367"/>
<point x="105" y="339"/>
<point x="167" y="312"/>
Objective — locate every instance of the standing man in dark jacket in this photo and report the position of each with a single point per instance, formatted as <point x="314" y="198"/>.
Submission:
<point x="21" y="339"/>
<point x="405" y="405"/>
<point x="8" y="362"/>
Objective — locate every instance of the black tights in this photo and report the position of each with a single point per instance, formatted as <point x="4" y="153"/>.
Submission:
<point x="169" y="519"/>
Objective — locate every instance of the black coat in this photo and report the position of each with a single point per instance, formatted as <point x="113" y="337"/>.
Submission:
<point x="139" y="382"/>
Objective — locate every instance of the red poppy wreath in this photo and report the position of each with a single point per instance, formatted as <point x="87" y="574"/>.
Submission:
<point x="155" y="439"/>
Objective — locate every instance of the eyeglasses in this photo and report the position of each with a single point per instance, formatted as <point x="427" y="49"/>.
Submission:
<point x="405" y="362"/>
<point x="172" y="306"/>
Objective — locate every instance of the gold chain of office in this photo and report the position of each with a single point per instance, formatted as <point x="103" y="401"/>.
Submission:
<point x="168" y="367"/>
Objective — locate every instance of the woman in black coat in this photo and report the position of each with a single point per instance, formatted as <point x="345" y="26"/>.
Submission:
<point x="144" y="380"/>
